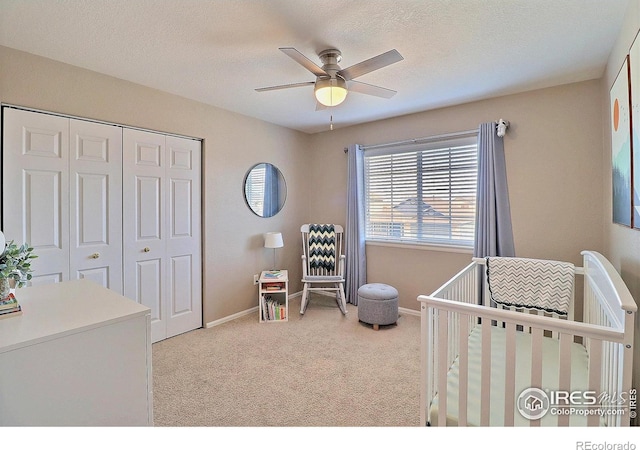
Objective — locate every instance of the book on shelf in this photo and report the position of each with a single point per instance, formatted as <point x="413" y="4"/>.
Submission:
<point x="276" y="312"/>
<point x="263" y="308"/>
<point x="283" y="312"/>
<point x="273" y="286"/>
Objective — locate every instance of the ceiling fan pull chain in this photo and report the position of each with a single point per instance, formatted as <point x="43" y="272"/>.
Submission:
<point x="331" y="123"/>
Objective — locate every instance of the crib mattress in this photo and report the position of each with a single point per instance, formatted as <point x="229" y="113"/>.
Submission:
<point x="550" y="350"/>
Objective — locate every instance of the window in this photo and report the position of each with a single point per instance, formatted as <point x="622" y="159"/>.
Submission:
<point x="422" y="193"/>
<point x="254" y="188"/>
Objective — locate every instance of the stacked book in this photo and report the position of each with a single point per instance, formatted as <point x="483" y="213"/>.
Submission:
<point x="273" y="274"/>
<point x="9" y="306"/>
<point x="273" y="286"/>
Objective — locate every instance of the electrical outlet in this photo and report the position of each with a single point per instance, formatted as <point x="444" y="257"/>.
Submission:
<point x="255" y="278"/>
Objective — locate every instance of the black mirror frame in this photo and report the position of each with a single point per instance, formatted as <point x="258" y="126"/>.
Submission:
<point x="281" y="182"/>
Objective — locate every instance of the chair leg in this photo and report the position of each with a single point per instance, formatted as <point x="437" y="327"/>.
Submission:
<point x="304" y="300"/>
<point x="342" y="302"/>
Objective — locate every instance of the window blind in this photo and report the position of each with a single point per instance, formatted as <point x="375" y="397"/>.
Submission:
<point x="422" y="193"/>
<point x="255" y="189"/>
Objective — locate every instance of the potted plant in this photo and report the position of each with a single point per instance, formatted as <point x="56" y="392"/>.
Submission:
<point x="15" y="267"/>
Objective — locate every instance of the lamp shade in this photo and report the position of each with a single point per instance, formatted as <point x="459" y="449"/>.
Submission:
<point x="273" y="239"/>
<point x="330" y="91"/>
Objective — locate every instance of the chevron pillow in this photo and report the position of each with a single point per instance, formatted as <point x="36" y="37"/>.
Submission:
<point x="322" y="246"/>
<point x="531" y="283"/>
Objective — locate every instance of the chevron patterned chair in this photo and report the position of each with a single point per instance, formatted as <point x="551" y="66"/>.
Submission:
<point x="323" y="262"/>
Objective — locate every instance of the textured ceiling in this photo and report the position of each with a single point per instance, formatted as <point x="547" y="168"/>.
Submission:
<point x="219" y="51"/>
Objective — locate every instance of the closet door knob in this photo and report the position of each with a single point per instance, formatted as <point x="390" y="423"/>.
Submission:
<point x="146" y="250"/>
<point x="95" y="255"/>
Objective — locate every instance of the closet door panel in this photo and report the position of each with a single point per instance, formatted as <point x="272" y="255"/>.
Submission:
<point x="144" y="224"/>
<point x="184" y="237"/>
<point x="96" y="201"/>
<point x="149" y="286"/>
<point x="99" y="275"/>
<point x="148" y="210"/>
<point x="35" y="189"/>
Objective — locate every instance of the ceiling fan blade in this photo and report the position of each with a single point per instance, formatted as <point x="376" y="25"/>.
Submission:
<point x="304" y="61"/>
<point x="285" y="86"/>
<point x="371" y="64"/>
<point x="370" y="89"/>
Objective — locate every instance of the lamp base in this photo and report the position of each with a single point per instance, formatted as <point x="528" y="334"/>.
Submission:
<point x="274" y="259"/>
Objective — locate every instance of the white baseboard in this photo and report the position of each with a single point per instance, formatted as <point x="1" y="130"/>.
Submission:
<point x="254" y="310"/>
<point x="409" y="312"/>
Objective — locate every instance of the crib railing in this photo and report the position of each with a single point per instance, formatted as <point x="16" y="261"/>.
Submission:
<point x="608" y="303"/>
<point x="451" y="312"/>
<point x="464" y="287"/>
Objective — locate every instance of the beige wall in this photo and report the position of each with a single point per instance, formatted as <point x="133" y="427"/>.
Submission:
<point x="553" y="151"/>
<point x="622" y="244"/>
<point x="232" y="234"/>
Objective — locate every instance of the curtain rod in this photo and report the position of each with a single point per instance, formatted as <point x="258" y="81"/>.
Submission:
<point x="421" y="140"/>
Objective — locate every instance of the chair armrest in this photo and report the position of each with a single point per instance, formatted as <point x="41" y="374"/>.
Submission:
<point x="304" y="266"/>
<point x="341" y="266"/>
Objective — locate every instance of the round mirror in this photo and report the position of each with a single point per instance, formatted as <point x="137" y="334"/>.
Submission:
<point x="265" y="190"/>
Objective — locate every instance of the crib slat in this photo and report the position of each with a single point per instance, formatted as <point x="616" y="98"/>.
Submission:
<point x="426" y="361"/>
<point x="485" y="377"/>
<point x="609" y="381"/>
<point x="613" y="351"/>
<point x="463" y="365"/>
<point x="595" y="374"/>
<point x="443" y="366"/>
<point x="536" y="364"/>
<point x="564" y="377"/>
<point x="510" y="375"/>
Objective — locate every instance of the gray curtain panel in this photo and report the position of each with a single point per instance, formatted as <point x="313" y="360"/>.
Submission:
<point x="271" y="193"/>
<point x="494" y="235"/>
<point x="355" y="254"/>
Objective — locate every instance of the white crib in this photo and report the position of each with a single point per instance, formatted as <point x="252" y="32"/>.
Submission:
<point x="482" y="363"/>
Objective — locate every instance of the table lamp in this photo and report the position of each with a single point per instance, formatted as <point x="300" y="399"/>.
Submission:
<point x="273" y="240"/>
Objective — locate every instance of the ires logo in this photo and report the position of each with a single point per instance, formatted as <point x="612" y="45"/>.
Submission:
<point x="535" y="403"/>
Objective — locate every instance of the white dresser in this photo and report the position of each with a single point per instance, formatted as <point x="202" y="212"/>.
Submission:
<point x="78" y="355"/>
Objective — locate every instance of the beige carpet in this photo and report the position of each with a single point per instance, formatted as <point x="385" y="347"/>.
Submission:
<point x="320" y="370"/>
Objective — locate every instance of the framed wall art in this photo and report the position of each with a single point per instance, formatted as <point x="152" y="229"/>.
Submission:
<point x="634" y="83"/>
<point x="621" y="146"/>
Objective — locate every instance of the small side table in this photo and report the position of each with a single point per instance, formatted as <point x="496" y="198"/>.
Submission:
<point x="273" y="296"/>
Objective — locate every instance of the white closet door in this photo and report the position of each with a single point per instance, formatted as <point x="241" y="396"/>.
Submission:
<point x="35" y="189"/>
<point x="144" y="225"/>
<point x="183" y="236"/>
<point x="162" y="236"/>
<point x="95" y="164"/>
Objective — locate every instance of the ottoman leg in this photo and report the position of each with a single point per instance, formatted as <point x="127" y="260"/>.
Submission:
<point x="376" y="326"/>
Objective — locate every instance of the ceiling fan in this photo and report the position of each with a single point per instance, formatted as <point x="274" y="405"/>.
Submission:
<point x="332" y="83"/>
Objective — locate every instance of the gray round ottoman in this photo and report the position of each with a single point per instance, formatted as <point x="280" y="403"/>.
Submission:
<point x="378" y="304"/>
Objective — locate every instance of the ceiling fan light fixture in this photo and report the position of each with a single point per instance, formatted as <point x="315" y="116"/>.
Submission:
<point x="330" y="91"/>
